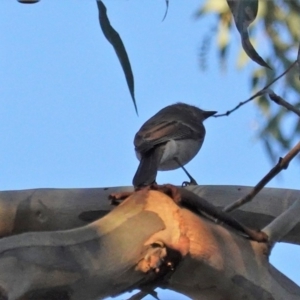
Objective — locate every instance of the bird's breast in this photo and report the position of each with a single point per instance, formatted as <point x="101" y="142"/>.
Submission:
<point x="183" y="150"/>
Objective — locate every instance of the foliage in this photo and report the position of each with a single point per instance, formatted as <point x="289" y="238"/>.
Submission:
<point x="114" y="38"/>
<point x="276" y="31"/>
<point x="275" y="27"/>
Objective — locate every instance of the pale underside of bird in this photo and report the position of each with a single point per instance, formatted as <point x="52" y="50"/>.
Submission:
<point x="169" y="140"/>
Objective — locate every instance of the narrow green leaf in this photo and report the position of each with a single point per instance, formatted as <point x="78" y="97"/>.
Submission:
<point x="167" y="8"/>
<point x="244" y="13"/>
<point x="251" y="52"/>
<point x="114" y="38"/>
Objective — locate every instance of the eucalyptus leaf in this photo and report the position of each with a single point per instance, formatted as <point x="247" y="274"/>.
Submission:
<point x="167" y="8"/>
<point x="244" y="13"/>
<point x="278" y="30"/>
<point x="114" y="38"/>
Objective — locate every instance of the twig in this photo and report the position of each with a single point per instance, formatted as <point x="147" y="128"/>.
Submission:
<point x="283" y="163"/>
<point x="280" y="101"/>
<point x="283" y="224"/>
<point x="259" y="93"/>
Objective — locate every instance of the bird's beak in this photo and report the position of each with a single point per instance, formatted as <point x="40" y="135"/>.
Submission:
<point x="208" y="114"/>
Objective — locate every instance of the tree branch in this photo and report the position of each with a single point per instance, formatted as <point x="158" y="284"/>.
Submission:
<point x="137" y="244"/>
<point x="281" y="165"/>
<point x="280" y="101"/>
<point x="61" y="209"/>
<point x="259" y="93"/>
<point x="202" y="206"/>
<point x="283" y="224"/>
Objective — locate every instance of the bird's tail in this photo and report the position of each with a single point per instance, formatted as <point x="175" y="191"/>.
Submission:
<point x="147" y="170"/>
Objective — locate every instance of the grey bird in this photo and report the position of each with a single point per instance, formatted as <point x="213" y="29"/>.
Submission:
<point x="169" y="140"/>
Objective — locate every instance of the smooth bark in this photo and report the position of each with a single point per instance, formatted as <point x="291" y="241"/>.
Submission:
<point x="58" y="209"/>
<point x="145" y="242"/>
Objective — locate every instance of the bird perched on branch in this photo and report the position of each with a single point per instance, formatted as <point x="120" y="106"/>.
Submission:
<point x="169" y="140"/>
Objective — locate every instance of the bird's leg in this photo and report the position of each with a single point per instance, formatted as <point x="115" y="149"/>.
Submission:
<point x="192" y="180"/>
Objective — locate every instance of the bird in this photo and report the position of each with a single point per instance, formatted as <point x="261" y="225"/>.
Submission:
<point x="169" y="140"/>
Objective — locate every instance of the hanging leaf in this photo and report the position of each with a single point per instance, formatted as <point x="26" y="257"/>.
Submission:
<point x="167" y="8"/>
<point x="28" y="1"/>
<point x="114" y="38"/>
<point x="244" y="13"/>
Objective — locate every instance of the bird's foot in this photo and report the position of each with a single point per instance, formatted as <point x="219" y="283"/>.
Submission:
<point x="188" y="183"/>
<point x="168" y="189"/>
<point x="192" y="180"/>
<point x="116" y="198"/>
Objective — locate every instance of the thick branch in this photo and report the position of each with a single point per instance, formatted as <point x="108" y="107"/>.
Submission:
<point x="130" y="247"/>
<point x="284" y="223"/>
<point x="200" y="205"/>
<point x="59" y="209"/>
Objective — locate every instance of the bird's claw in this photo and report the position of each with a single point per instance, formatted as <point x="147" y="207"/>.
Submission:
<point x="188" y="183"/>
<point x="170" y="190"/>
<point x="167" y="189"/>
<point x="116" y="198"/>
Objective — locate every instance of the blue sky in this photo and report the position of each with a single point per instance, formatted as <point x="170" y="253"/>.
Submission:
<point x="66" y="116"/>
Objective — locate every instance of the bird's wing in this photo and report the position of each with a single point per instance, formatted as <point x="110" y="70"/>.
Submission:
<point x="153" y="133"/>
